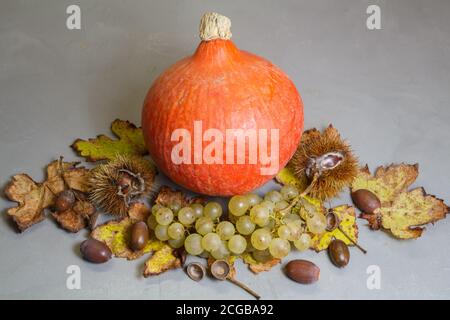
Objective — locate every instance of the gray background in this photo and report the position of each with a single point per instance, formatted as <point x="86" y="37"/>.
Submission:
<point x="387" y="91"/>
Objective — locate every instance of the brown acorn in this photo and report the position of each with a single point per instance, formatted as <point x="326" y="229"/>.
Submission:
<point x="119" y="182"/>
<point x="339" y="253"/>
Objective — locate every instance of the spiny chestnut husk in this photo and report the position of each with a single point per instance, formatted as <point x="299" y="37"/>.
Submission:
<point x="327" y="159"/>
<point x="119" y="182"/>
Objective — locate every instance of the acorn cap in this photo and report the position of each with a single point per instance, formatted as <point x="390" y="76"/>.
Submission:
<point x="332" y="220"/>
<point x="220" y="269"/>
<point x="195" y="271"/>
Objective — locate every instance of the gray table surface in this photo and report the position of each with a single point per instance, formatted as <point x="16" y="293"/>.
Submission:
<point x="386" y="90"/>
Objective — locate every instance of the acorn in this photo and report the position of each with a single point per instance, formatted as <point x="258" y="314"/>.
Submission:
<point x="325" y="162"/>
<point x="339" y="253"/>
<point x="113" y="186"/>
<point x="64" y="201"/>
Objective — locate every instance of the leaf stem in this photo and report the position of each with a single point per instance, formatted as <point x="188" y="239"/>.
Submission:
<point x="351" y="240"/>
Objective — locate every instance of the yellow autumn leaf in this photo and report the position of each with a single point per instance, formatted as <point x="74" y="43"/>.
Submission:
<point x="347" y="217"/>
<point x="387" y="182"/>
<point x="286" y="176"/>
<point x="130" y="142"/>
<point x="402" y="212"/>
<point x="162" y="260"/>
<point x="116" y="235"/>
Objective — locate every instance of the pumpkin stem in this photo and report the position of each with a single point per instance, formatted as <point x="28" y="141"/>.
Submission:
<point x="215" y="26"/>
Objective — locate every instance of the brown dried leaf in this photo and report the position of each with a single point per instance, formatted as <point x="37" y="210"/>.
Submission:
<point x="70" y="220"/>
<point x="167" y="196"/>
<point x="256" y="266"/>
<point x="402" y="212"/>
<point x="33" y="197"/>
<point x="77" y="218"/>
<point x="162" y="260"/>
<point x="139" y="211"/>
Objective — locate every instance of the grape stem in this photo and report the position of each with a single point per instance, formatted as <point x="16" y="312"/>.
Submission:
<point x="243" y="286"/>
<point x="301" y="195"/>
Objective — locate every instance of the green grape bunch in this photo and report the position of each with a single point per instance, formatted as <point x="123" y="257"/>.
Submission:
<point x="267" y="227"/>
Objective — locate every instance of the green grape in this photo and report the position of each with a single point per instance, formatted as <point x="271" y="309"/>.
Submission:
<point x="175" y="231"/>
<point x="279" y="248"/>
<point x="284" y="232"/>
<point x="317" y="224"/>
<point x="222" y="252"/>
<point x="273" y="196"/>
<point x="291" y="217"/>
<point x="151" y="222"/>
<point x="204" y="225"/>
<point x="186" y="216"/>
<point x="295" y="228"/>
<point x="261" y="255"/>
<point x="225" y="230"/>
<point x="193" y="244"/>
<point x="164" y="216"/>
<point x="269" y="205"/>
<point x="212" y="210"/>
<point x="237" y="244"/>
<point x="250" y="247"/>
<point x="161" y="232"/>
<point x="289" y="192"/>
<point x="155" y="208"/>
<point x="238" y="205"/>
<point x="204" y="255"/>
<point x="198" y="209"/>
<point x="270" y="224"/>
<point x="175" y="207"/>
<point x="259" y="215"/>
<point x="280" y="205"/>
<point x="176" y="243"/>
<point x="244" y="225"/>
<point x="211" y="241"/>
<point x="304" y="242"/>
<point x="261" y="239"/>
<point x="253" y="199"/>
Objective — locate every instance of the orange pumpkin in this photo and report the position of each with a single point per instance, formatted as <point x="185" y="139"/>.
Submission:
<point x="222" y="88"/>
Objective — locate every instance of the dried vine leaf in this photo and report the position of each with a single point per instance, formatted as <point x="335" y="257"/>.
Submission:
<point x="116" y="235"/>
<point x="162" y="260"/>
<point x="76" y="218"/>
<point x="33" y="197"/>
<point x="347" y="216"/>
<point x="139" y="211"/>
<point x="166" y="197"/>
<point x="387" y="182"/>
<point x="130" y="142"/>
<point x="256" y="266"/>
<point x="402" y="212"/>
